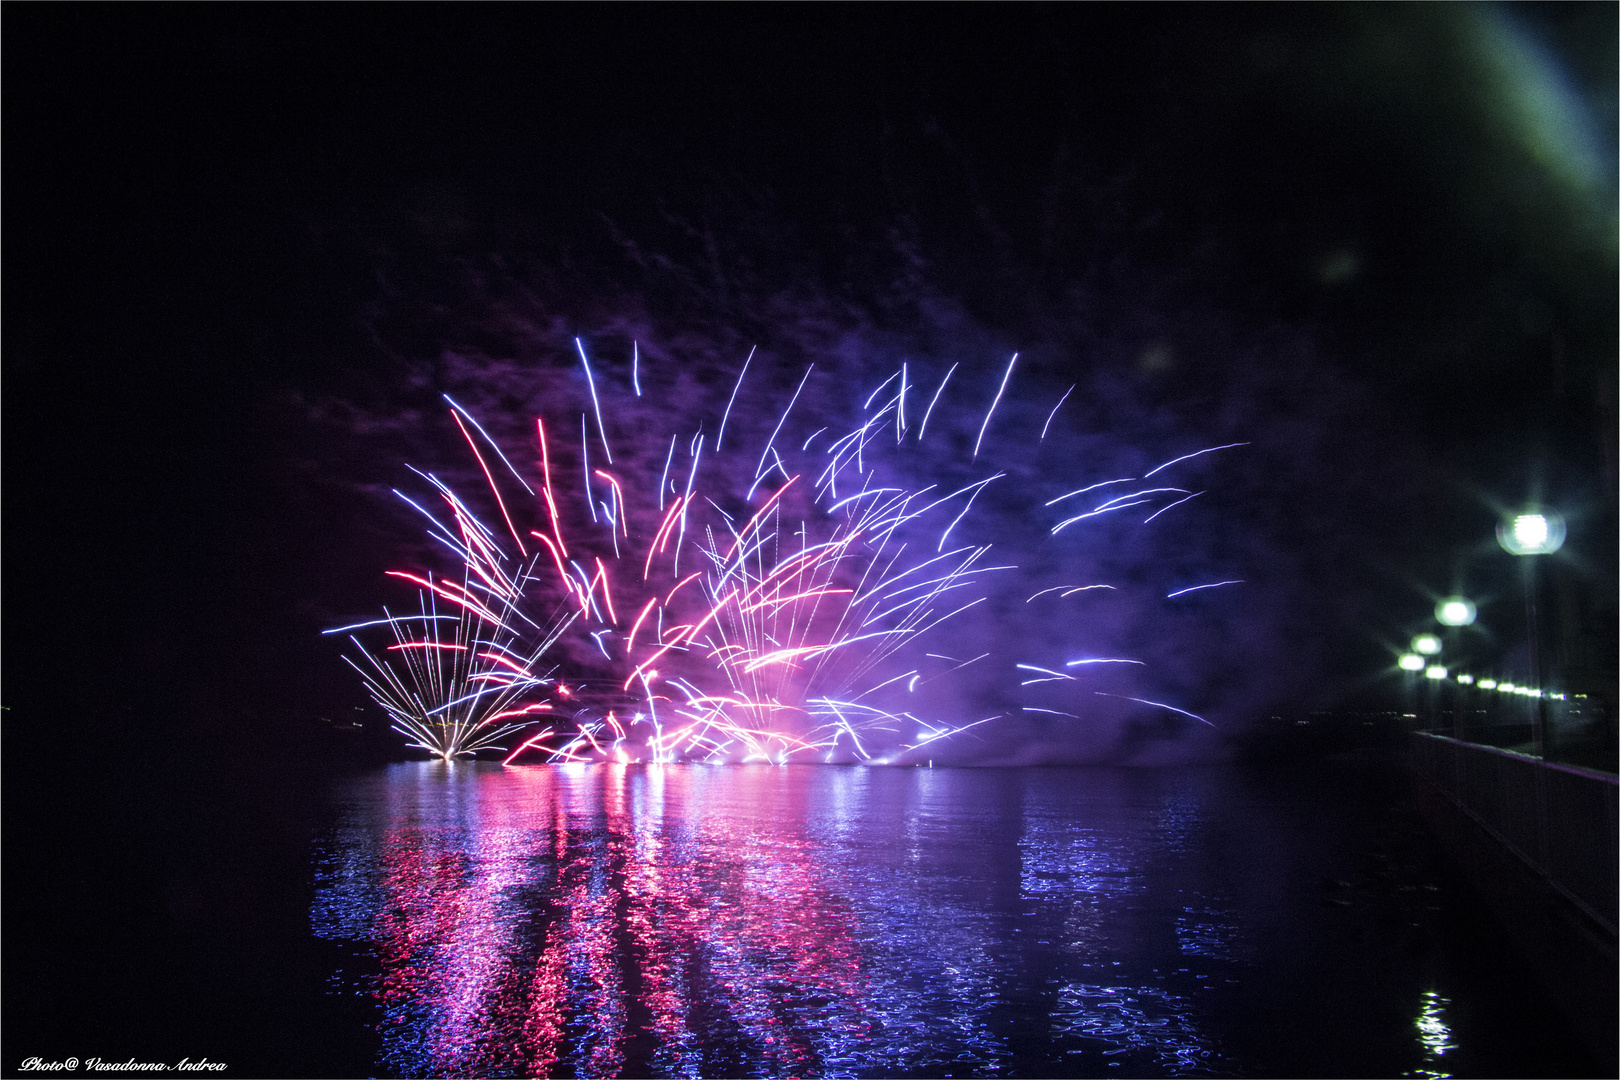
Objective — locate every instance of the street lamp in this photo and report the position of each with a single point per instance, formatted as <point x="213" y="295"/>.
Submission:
<point x="1455" y="611"/>
<point x="1426" y="644"/>
<point x="1531" y="532"/>
<point x="1423" y="659"/>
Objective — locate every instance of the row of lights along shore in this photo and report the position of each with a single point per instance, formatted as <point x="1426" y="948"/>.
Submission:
<point x="1528" y="533"/>
<point x="1426" y="648"/>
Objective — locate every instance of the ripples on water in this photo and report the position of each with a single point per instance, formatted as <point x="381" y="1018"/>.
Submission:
<point x="755" y="921"/>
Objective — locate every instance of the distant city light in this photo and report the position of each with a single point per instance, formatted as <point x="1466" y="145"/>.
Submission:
<point x="1410" y="662"/>
<point x="1455" y="611"/>
<point x="1427" y="644"/>
<point x="1466" y="680"/>
<point x="1536" y="532"/>
<point x="1434" y="671"/>
<point x="1506" y="688"/>
<point x="1487" y="684"/>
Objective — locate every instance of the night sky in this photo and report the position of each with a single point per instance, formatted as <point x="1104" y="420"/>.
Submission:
<point x="242" y="244"/>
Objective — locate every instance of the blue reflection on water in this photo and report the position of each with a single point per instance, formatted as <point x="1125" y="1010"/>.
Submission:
<point x="693" y="921"/>
<point x="748" y="920"/>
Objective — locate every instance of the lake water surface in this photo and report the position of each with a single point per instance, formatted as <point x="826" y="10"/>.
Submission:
<point x="819" y="921"/>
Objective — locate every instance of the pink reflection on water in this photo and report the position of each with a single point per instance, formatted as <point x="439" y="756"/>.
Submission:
<point x="546" y="920"/>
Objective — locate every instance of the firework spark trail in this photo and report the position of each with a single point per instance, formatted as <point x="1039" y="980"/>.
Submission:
<point x="1053" y="414"/>
<point x="992" y="410"/>
<point x="923" y="429"/>
<point x="720" y="438"/>
<point x="776" y="646"/>
<point x="1195" y="588"/>
<point x="1121" y="502"/>
<point x="1142" y="497"/>
<point x="590" y="381"/>
<point x="760" y="472"/>
<point x="1195" y="453"/>
<point x="455" y="697"/>
<point x="1156" y="705"/>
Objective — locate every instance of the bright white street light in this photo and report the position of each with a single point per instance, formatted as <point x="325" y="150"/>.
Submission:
<point x="1434" y="671"/>
<point x="1410" y="662"/>
<point x="1427" y="644"/>
<point x="1454" y="611"/>
<point x="1532" y="532"/>
<point x="1487" y="684"/>
<point x="1466" y="680"/>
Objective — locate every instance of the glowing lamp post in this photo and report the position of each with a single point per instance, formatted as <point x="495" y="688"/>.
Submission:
<point x="1534" y="532"/>
<point x="1529" y="533"/>
<point x="1455" y="611"/>
<point x="1422" y="660"/>
<point x="1411" y="666"/>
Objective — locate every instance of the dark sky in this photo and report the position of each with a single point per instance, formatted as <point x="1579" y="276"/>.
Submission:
<point x="213" y="211"/>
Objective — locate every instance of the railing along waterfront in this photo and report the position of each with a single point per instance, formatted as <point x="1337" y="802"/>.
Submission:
<point x="1558" y="819"/>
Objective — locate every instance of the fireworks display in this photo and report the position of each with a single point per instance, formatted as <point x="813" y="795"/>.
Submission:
<point x="773" y="624"/>
<point x="456" y="690"/>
